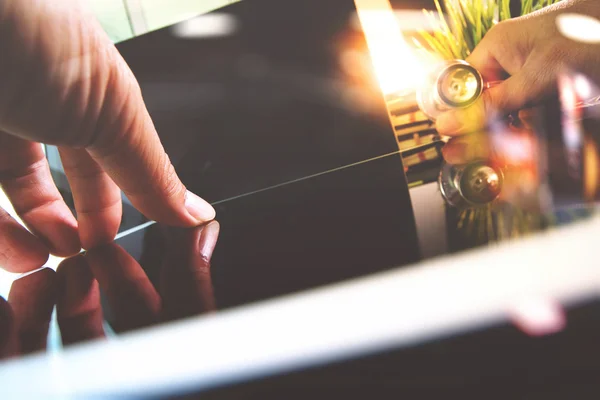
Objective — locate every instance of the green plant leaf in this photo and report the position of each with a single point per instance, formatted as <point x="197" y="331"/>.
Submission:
<point x="504" y="10"/>
<point x="526" y="6"/>
<point x="478" y="25"/>
<point x="435" y="45"/>
<point x="466" y="22"/>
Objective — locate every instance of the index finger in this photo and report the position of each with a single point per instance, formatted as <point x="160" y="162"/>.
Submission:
<point x="32" y="300"/>
<point x="133" y="301"/>
<point x="20" y="251"/>
<point x="7" y="332"/>
<point x="78" y="308"/>
<point x="127" y="146"/>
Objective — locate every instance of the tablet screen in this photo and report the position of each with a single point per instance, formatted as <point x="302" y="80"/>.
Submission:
<point x="272" y="116"/>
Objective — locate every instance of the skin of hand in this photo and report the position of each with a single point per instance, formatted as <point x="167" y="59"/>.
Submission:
<point x="184" y="289"/>
<point x="527" y="53"/>
<point x="63" y="82"/>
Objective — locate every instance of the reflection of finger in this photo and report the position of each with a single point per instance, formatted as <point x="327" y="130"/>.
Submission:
<point x="78" y="308"/>
<point x="32" y="300"/>
<point x="133" y="301"/>
<point x="25" y="177"/>
<point x="97" y="198"/>
<point x="20" y="251"/>
<point x="186" y="284"/>
<point x="462" y="121"/>
<point x="462" y="150"/>
<point x="529" y="118"/>
<point x="7" y="330"/>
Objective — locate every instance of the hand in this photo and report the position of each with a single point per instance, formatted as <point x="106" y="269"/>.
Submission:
<point x="62" y="82"/>
<point x="179" y="263"/>
<point x="183" y="289"/>
<point x="529" y="52"/>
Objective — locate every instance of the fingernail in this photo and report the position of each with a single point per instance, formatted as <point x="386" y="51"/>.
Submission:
<point x="199" y="209"/>
<point x="208" y="239"/>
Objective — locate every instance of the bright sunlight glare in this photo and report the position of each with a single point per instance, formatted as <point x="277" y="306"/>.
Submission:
<point x="396" y="65"/>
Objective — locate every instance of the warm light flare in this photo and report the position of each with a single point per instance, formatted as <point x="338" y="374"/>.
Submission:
<point x="591" y="157"/>
<point x="578" y="27"/>
<point x="396" y="64"/>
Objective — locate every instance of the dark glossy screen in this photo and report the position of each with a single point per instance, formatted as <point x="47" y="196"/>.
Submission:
<point x="265" y="106"/>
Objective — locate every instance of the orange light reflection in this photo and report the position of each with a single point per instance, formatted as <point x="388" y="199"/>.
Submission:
<point x="397" y="66"/>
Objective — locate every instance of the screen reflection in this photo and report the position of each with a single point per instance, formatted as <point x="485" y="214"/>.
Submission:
<point x="272" y="126"/>
<point x="106" y="291"/>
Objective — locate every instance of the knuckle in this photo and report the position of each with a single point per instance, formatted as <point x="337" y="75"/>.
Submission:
<point x="498" y="33"/>
<point x="28" y="172"/>
<point x="24" y="210"/>
<point x="169" y="181"/>
<point x="97" y="207"/>
<point x="509" y="43"/>
<point x="117" y="113"/>
<point x="542" y="73"/>
<point x="114" y="138"/>
<point x="7" y="255"/>
<point x="81" y="167"/>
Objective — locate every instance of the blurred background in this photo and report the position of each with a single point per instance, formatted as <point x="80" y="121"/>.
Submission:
<point x="124" y="19"/>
